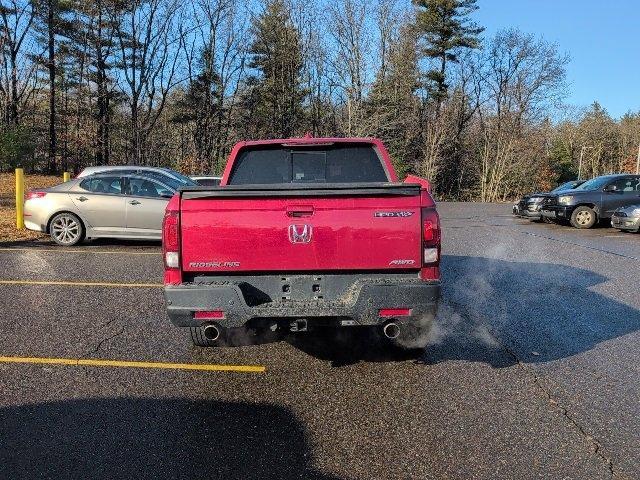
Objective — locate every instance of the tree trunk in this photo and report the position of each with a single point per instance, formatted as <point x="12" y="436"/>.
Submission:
<point x="52" y="87"/>
<point x="102" y="103"/>
<point x="13" y="107"/>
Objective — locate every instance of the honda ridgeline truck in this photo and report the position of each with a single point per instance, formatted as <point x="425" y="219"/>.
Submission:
<point x="303" y="233"/>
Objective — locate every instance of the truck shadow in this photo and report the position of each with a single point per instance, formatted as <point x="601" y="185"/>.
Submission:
<point x="153" y="438"/>
<point x="498" y="312"/>
<point x="348" y="346"/>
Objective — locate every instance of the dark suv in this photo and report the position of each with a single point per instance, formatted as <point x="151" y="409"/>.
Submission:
<point x="594" y="200"/>
<point x="529" y="206"/>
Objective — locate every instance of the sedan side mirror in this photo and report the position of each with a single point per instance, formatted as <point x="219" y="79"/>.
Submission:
<point x="610" y="188"/>
<point x="167" y="195"/>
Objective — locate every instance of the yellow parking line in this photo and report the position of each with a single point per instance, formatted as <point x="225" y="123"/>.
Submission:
<point x="89" y="362"/>
<point x="81" y="284"/>
<point x="62" y="250"/>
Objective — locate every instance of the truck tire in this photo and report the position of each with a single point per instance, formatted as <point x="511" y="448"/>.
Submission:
<point x="583" y="217"/>
<point x="200" y="340"/>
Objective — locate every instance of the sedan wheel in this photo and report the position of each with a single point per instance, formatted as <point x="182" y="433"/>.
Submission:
<point x="66" y="229"/>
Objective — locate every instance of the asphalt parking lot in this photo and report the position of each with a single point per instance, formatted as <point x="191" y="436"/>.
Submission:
<point x="532" y="370"/>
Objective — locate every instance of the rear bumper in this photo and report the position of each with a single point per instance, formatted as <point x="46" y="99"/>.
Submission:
<point x="360" y="307"/>
<point x="31" y="225"/>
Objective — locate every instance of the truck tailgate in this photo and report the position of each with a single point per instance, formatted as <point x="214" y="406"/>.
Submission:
<point x="301" y="228"/>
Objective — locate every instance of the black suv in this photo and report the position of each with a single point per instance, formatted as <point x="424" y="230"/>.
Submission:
<point x="529" y="206"/>
<point x="594" y="200"/>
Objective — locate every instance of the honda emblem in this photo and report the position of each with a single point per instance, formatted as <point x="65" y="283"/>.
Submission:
<point x="300" y="233"/>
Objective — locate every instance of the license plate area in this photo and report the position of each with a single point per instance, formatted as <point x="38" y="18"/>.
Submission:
<point x="302" y="288"/>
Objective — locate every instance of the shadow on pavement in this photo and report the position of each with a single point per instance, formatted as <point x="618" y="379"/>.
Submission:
<point x="120" y="242"/>
<point x="153" y="438"/>
<point x="538" y="311"/>
<point x="46" y="242"/>
<point x="350" y="345"/>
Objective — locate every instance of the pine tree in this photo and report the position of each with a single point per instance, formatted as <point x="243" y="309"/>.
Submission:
<point x="276" y="56"/>
<point x="393" y="106"/>
<point x="52" y="22"/>
<point x="445" y="29"/>
<point x="95" y="44"/>
<point x="203" y="105"/>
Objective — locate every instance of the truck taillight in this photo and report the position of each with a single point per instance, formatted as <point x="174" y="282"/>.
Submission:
<point x="430" y="243"/>
<point x="171" y="239"/>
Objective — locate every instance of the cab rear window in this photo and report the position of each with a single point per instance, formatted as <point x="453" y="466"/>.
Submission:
<point x="342" y="163"/>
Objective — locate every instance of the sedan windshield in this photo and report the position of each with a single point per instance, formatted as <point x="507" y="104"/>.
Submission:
<point x="167" y="180"/>
<point x="181" y="178"/>
<point x="594" y="184"/>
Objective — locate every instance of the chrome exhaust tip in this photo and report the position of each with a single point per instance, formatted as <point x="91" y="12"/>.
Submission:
<point x="391" y="330"/>
<point x="211" y="332"/>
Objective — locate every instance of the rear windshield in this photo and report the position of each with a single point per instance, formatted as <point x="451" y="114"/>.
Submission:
<point x="342" y="163"/>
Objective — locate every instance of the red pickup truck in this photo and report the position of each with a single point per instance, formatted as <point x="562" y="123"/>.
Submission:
<point x="303" y="233"/>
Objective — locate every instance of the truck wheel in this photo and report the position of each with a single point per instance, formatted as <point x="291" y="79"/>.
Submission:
<point x="202" y="339"/>
<point x="66" y="229"/>
<point x="583" y="217"/>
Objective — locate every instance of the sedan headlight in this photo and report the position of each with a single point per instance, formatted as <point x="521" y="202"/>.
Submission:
<point x="565" y="199"/>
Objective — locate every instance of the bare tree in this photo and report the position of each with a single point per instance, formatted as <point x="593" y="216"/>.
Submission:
<point x="522" y="79"/>
<point x="215" y="61"/>
<point x="150" y="37"/>
<point x="351" y="33"/>
<point x="17" y="19"/>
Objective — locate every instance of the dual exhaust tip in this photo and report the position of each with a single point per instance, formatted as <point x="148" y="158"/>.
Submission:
<point x="211" y="331"/>
<point x="391" y="330"/>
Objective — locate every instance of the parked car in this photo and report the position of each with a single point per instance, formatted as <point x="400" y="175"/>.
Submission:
<point x="166" y="175"/>
<point x="627" y="218"/>
<point x="303" y="233"/>
<point x="111" y="205"/>
<point x="594" y="200"/>
<point x="207" y="180"/>
<point x="530" y="206"/>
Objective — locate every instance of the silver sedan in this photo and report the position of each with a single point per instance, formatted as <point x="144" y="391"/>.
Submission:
<point x="101" y="205"/>
<point x="627" y="218"/>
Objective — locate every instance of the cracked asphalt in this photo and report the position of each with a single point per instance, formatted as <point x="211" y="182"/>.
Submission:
<point x="532" y="371"/>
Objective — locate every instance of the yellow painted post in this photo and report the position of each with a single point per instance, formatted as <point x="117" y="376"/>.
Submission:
<point x="66" y="176"/>
<point x="19" y="199"/>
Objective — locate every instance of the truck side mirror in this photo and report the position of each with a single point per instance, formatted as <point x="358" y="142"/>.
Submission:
<point x="611" y="188"/>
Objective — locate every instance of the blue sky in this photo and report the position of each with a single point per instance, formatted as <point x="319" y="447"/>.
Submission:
<point x="602" y="38"/>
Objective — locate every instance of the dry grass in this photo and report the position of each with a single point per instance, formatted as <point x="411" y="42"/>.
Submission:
<point x="8" y="231"/>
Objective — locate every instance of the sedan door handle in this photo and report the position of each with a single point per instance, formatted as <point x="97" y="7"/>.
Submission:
<point x="82" y="199"/>
<point x="134" y="202"/>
